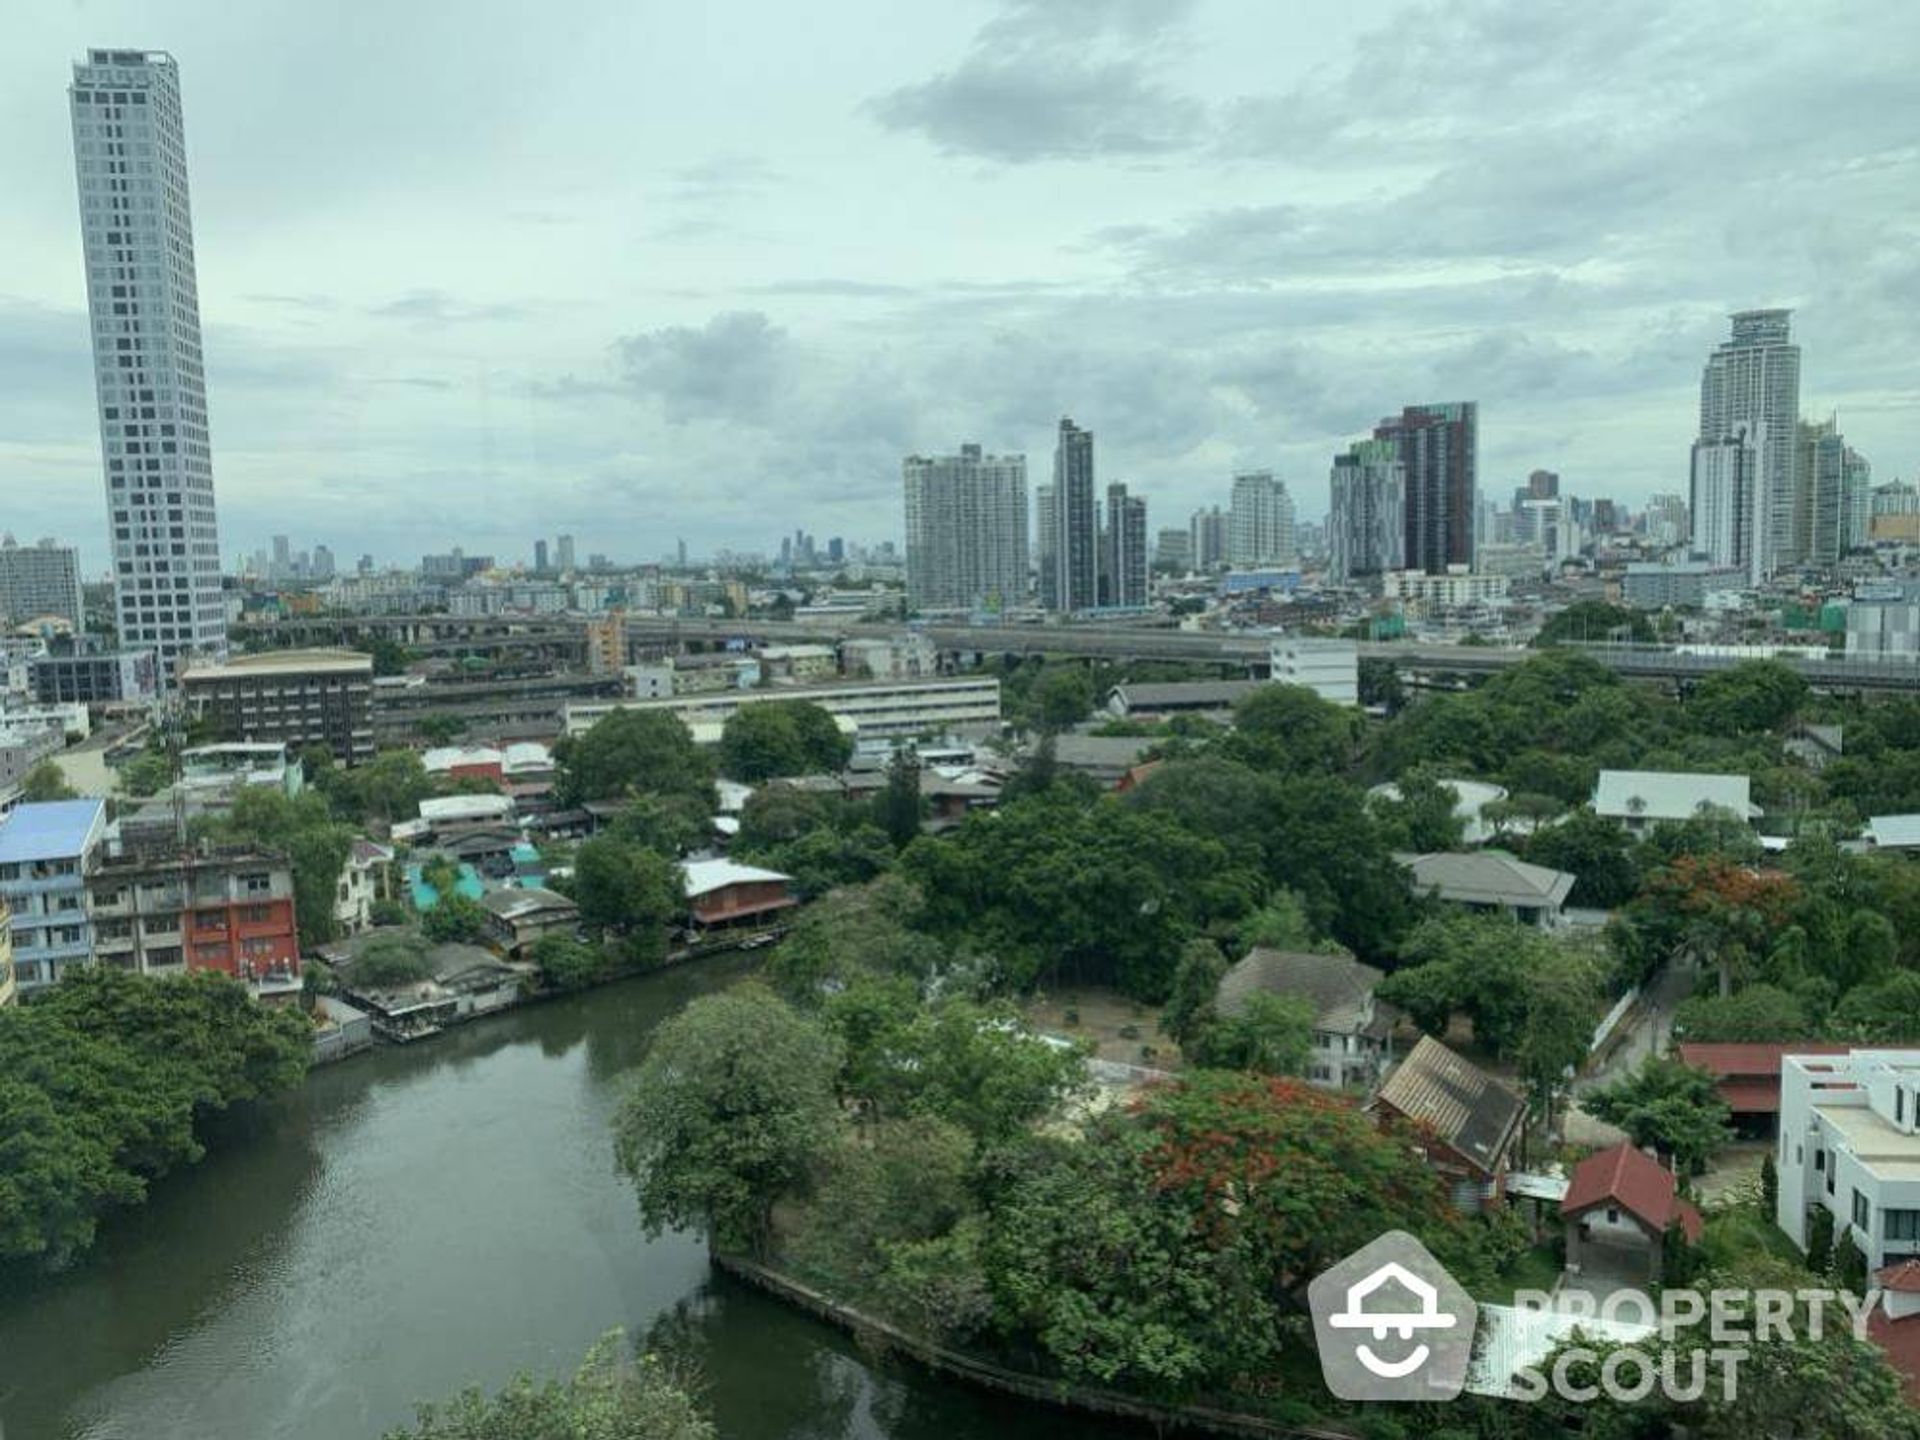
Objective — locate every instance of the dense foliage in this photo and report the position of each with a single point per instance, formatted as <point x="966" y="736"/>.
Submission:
<point x="104" y="1082"/>
<point x="303" y="828"/>
<point x="608" y="1398"/>
<point x="633" y="752"/>
<point x="781" y="737"/>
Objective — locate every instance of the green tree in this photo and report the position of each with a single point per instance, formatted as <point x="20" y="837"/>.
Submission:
<point x="1420" y="816"/>
<point x="670" y="825"/>
<point x="772" y="738"/>
<point x="1062" y="697"/>
<point x="1669" y="1106"/>
<point x="869" y="930"/>
<point x="147" y="773"/>
<point x="302" y="828"/>
<point x="633" y="752"/>
<point x="1595" y="851"/>
<point x="1594" y="621"/>
<point x="1755" y="1013"/>
<point x="625" y="888"/>
<point x="1196" y="983"/>
<point x="731" y="1104"/>
<point x="1380" y="684"/>
<point x="899" y="808"/>
<point x="457" y="919"/>
<point x="441" y="729"/>
<point x="1769" y="1184"/>
<point x="387" y="961"/>
<point x="1753" y="696"/>
<point x="46" y="781"/>
<point x="1288" y="729"/>
<point x="387" y="788"/>
<point x="566" y="963"/>
<point x="1271" y="1034"/>
<point x="608" y="1398"/>
<point x="1819" y="1239"/>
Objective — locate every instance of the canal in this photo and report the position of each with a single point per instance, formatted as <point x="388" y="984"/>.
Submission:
<point x="417" y="1220"/>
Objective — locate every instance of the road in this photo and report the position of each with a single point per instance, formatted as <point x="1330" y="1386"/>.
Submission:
<point x="1647" y="1031"/>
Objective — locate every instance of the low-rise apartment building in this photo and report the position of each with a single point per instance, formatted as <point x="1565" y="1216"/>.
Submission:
<point x="46" y="851"/>
<point x="1850" y="1144"/>
<point x="102" y="678"/>
<point x="878" y="708"/>
<point x="229" y="910"/>
<point x="297" y="697"/>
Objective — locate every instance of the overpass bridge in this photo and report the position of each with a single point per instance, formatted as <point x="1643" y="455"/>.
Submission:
<point x="562" y="639"/>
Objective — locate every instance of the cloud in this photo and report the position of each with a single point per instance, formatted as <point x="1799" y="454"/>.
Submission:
<point x="1073" y="80"/>
<point x="732" y="368"/>
<point x="437" y="307"/>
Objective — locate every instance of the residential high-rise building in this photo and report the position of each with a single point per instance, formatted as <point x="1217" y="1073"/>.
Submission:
<point x="1750" y="393"/>
<point x="1829" y="481"/>
<point x="1666" y="519"/>
<point x="966" y="530"/>
<point x="1046" y="539"/>
<point x="38" y="580"/>
<point x="1543" y="485"/>
<point x="1260" y="522"/>
<point x="323" y="563"/>
<point x="1856" y="500"/>
<point x="1367" y="529"/>
<point x="1720" y="504"/>
<point x="1123" y="569"/>
<point x="1173" y="550"/>
<point x="564" y="552"/>
<point x="1207" y="534"/>
<point x="1438" y="447"/>
<point x="1071" y="580"/>
<point x="129" y="142"/>
<point x="539" y="557"/>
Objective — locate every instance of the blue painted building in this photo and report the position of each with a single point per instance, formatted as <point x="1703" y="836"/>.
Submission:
<point x="45" y="852"/>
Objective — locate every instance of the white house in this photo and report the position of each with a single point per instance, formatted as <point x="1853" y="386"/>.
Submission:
<point x="1639" y="799"/>
<point x="1850" y="1142"/>
<point x="1329" y="668"/>
<point x="363" y="880"/>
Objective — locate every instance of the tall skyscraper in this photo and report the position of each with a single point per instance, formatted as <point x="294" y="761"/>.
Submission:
<point x="1367" y="528"/>
<point x="1046" y="540"/>
<point x="1719" y="503"/>
<point x="1207" y="532"/>
<point x="1856" y="500"/>
<point x="1071" y="579"/>
<point x="1260" y="522"/>
<point x="564" y="552"/>
<point x="129" y="147"/>
<point x="1123" y="569"/>
<point x="37" y="580"/>
<point x="539" y="557"/>
<point x="1438" y="447"/>
<point x="966" y="530"/>
<point x="1173" y="550"/>
<point x="1666" y="519"/>
<point x="1750" y="393"/>
<point x="1831" y="483"/>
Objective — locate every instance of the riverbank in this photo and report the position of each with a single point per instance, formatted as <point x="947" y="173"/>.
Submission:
<point x="976" y="1370"/>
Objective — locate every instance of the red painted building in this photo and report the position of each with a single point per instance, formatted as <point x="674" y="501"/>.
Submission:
<point x="229" y="910"/>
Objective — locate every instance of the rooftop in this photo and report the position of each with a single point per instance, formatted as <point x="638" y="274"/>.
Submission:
<point x="1489" y="877"/>
<point x="49" y="830"/>
<point x="703" y="877"/>
<point x="1894" y="831"/>
<point x="1752" y="1060"/>
<point x="1884" y="1151"/>
<point x="521" y="901"/>
<point x="1637" y="1183"/>
<point x="286" y="662"/>
<point x="1339" y="986"/>
<point x="1671" y="794"/>
<point x="1460" y="1104"/>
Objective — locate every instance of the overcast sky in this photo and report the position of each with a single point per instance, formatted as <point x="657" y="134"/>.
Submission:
<point x="480" y="272"/>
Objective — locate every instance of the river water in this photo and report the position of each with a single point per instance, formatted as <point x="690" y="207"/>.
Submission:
<point x="421" y="1219"/>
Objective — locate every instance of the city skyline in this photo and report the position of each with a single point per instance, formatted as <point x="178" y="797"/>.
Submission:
<point x="1205" y="308"/>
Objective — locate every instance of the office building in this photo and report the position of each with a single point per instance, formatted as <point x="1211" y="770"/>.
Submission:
<point x="129" y="143"/>
<point x="39" y="580"/>
<point x="1123" y="569"/>
<point x="1070" y="526"/>
<point x="563" y="552"/>
<point x="85" y="675"/>
<point x="1750" y="398"/>
<point x="1173" y="551"/>
<point x="1438" y="447"/>
<point x="1207" y="538"/>
<point x="1260" y="523"/>
<point x="1822" y="502"/>
<point x="1681" y="583"/>
<point x="1850" y="1145"/>
<point x="877" y="709"/>
<point x="966" y="529"/>
<point x="539" y="557"/>
<point x="298" y="697"/>
<point x="1367" y="529"/>
<point x="1543" y="485"/>
<point x="46" y="851"/>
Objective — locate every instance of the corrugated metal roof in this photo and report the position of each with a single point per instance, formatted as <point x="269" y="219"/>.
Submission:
<point x="1670" y="794"/>
<point x="703" y="877"/>
<point x="1461" y="1104"/>
<point x="1489" y="877"/>
<point x="1894" y="831"/>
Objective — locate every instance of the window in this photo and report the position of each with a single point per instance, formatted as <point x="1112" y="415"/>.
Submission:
<point x="1901" y="1224"/>
<point x="1862" y="1213"/>
<point x="1819" y="1161"/>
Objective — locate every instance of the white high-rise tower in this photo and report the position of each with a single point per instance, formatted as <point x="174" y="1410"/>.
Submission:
<point x="1750" y="401"/>
<point x="129" y="150"/>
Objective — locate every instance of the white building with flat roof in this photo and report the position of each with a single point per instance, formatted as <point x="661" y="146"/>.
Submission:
<point x="1850" y="1143"/>
<point x="1329" y="668"/>
<point x="873" y="708"/>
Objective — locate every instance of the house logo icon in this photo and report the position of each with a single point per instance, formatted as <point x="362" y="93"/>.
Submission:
<point x="1392" y="1324"/>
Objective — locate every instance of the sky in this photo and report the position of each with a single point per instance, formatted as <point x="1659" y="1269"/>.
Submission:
<point x="639" y="271"/>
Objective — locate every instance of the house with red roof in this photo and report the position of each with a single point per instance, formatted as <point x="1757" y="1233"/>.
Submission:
<point x="1619" y="1206"/>
<point x="1748" y="1078"/>
<point x="1894" y="1324"/>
